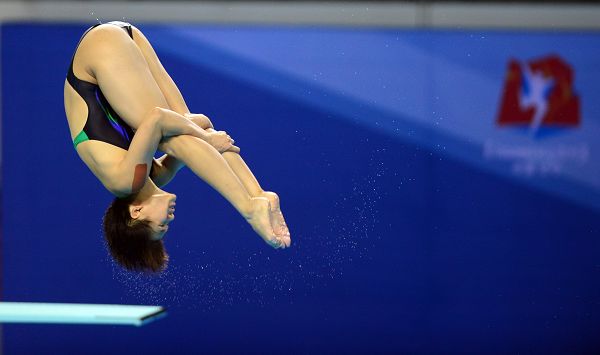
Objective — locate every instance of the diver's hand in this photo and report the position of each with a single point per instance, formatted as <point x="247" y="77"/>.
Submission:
<point x="173" y="124"/>
<point x="204" y="122"/>
<point x="220" y="140"/>
<point x="234" y="149"/>
<point x="200" y="120"/>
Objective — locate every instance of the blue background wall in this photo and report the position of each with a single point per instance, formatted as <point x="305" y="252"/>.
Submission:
<point x="405" y="237"/>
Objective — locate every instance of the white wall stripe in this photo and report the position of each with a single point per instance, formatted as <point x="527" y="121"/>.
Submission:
<point x="379" y="14"/>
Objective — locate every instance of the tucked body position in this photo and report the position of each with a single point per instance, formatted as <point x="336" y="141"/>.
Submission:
<point x="122" y="107"/>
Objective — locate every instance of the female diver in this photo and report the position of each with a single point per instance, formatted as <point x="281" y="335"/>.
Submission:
<point x="122" y="106"/>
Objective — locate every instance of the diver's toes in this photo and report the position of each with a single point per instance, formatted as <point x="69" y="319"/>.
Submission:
<point x="275" y="243"/>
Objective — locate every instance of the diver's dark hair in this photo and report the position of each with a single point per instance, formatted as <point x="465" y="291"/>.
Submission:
<point x="129" y="240"/>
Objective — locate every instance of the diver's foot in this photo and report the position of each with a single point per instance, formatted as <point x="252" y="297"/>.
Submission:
<point x="260" y="221"/>
<point x="277" y="221"/>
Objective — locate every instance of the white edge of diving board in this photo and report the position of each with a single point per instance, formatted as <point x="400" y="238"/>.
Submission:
<point x="79" y="313"/>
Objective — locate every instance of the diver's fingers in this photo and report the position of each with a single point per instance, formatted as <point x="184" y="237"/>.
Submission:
<point x="234" y="149"/>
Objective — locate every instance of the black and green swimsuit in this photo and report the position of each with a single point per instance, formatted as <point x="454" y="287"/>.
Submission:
<point x="103" y="123"/>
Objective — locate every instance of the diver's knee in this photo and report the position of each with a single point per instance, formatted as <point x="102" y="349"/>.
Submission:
<point x="108" y="31"/>
<point x="102" y="42"/>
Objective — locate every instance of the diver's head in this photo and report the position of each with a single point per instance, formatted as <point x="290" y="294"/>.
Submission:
<point x="134" y="227"/>
<point x="157" y="210"/>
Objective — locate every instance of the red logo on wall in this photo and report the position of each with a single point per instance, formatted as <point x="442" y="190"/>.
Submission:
<point x="538" y="94"/>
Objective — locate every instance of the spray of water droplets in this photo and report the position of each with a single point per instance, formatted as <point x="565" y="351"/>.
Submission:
<point x="207" y="284"/>
<point x="351" y="228"/>
<point x="319" y="254"/>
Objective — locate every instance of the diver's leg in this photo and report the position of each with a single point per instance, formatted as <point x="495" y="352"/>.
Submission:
<point x="122" y="73"/>
<point x="243" y="172"/>
<point x="177" y="103"/>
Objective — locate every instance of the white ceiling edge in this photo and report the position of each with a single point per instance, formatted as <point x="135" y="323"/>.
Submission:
<point x="376" y="14"/>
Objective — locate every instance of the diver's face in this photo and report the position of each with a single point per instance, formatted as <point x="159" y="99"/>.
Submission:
<point x="159" y="211"/>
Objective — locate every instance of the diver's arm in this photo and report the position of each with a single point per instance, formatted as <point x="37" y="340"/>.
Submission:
<point x="129" y="175"/>
<point x="164" y="169"/>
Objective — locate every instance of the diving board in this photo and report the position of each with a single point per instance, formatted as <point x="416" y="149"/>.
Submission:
<point x="78" y="313"/>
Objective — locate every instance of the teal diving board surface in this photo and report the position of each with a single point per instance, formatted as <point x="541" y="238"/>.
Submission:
<point x="78" y="313"/>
